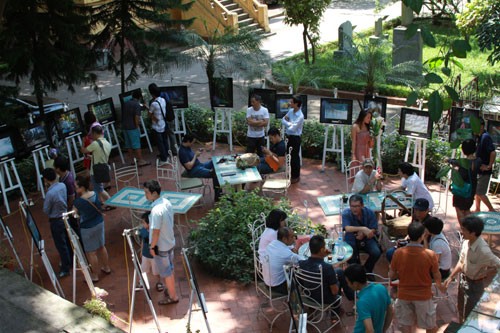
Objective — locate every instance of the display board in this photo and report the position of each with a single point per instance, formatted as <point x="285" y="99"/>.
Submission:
<point x="415" y="123"/>
<point x="460" y="125"/>
<point x="70" y="123"/>
<point x="296" y="307"/>
<point x="283" y="105"/>
<point x="376" y="102"/>
<point x="192" y="277"/>
<point x="335" y="111"/>
<point x="7" y="148"/>
<point x="221" y="92"/>
<point x="103" y="110"/>
<point x="268" y="98"/>
<point x="32" y="227"/>
<point x="35" y="136"/>
<point x="127" y="96"/>
<point x="494" y="130"/>
<point x="178" y="96"/>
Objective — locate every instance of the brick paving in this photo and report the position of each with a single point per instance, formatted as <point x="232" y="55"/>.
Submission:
<point x="232" y="306"/>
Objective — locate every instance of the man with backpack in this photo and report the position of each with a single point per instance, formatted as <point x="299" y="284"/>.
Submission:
<point x="157" y="109"/>
<point x="170" y="118"/>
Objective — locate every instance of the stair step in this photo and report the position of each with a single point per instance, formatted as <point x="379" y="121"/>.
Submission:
<point x="243" y="16"/>
<point x="233" y="7"/>
<point x="226" y="2"/>
<point x="247" y="22"/>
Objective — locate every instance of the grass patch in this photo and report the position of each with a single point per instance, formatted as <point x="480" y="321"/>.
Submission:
<point x="325" y="75"/>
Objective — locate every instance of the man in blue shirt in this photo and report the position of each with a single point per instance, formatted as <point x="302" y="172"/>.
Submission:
<point x="374" y="309"/>
<point x="54" y="206"/>
<point x="294" y="122"/>
<point x="360" y="225"/>
<point x="485" y="151"/>
<point x="193" y="166"/>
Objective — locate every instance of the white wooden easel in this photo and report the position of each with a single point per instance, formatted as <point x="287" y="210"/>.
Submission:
<point x="113" y="139"/>
<point x="8" y="236"/>
<point x="223" y="125"/>
<point x="336" y="147"/>
<point x="180" y="125"/>
<point x="144" y="134"/>
<point x="418" y="160"/>
<point x="7" y="184"/>
<point x="74" y="153"/>
<point x="40" y="155"/>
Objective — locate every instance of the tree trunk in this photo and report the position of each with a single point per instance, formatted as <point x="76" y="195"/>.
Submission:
<point x="122" y="57"/>
<point x="313" y="48"/>
<point x="304" y="39"/>
<point x="210" y="70"/>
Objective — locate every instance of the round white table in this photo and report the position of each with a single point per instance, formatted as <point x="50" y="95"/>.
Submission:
<point x="345" y="253"/>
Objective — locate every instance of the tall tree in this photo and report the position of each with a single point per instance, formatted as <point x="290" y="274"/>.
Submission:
<point x="140" y="33"/>
<point x="225" y="53"/>
<point x="307" y="13"/>
<point x="41" y="39"/>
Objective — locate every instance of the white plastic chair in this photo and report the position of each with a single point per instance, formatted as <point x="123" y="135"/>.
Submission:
<point x="128" y="176"/>
<point x="279" y="185"/>
<point x="350" y="173"/>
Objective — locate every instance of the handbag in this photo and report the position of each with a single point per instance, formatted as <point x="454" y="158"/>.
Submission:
<point x="396" y="227"/>
<point x="247" y="160"/>
<point x="101" y="170"/>
<point x="464" y="191"/>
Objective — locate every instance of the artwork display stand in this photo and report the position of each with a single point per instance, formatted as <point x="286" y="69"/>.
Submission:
<point x="79" y="255"/>
<point x="180" y="125"/>
<point x="223" y="125"/>
<point x="336" y="147"/>
<point x="40" y="155"/>
<point x="8" y="236"/>
<point x="46" y="262"/>
<point x="127" y="233"/>
<point x="418" y="147"/>
<point x="200" y="297"/>
<point x="144" y="134"/>
<point x="113" y="139"/>
<point x="7" y="184"/>
<point x="73" y="148"/>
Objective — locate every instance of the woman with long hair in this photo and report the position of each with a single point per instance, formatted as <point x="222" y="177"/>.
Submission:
<point x="360" y="135"/>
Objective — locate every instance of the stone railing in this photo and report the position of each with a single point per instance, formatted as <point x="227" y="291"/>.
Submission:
<point x="210" y="15"/>
<point x="257" y="11"/>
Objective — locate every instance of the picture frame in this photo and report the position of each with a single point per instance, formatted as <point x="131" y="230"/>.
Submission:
<point x="221" y="92"/>
<point x="70" y="123"/>
<point x="493" y="128"/>
<point x="415" y="123"/>
<point x="35" y="136"/>
<point x="336" y="111"/>
<point x="104" y="110"/>
<point x="370" y="101"/>
<point x="127" y="96"/>
<point x="32" y="227"/>
<point x="282" y="105"/>
<point x="7" y="146"/>
<point x="460" y="127"/>
<point x="268" y="98"/>
<point x="178" y="96"/>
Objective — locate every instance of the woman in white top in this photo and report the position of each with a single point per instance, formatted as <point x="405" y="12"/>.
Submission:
<point x="274" y="221"/>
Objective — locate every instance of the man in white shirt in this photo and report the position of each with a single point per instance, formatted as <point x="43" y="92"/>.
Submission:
<point x="257" y="120"/>
<point x="161" y="238"/>
<point x="294" y="122"/>
<point x="367" y="179"/>
<point x="276" y="255"/>
<point x="157" y="113"/>
<point x="412" y="184"/>
<point x="437" y="242"/>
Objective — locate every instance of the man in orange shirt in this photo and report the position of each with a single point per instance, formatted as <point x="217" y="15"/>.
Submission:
<point x="409" y="265"/>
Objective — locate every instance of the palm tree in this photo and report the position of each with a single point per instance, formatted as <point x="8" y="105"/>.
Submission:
<point x="226" y="53"/>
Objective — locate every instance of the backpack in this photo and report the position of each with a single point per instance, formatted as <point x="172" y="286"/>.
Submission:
<point x="170" y="115"/>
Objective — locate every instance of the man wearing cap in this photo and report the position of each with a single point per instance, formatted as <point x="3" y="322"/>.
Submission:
<point x="413" y="185"/>
<point x="367" y="179"/>
<point x="486" y="152"/>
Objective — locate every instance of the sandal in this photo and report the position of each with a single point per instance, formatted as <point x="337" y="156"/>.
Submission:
<point x="159" y="287"/>
<point x="168" y="301"/>
<point x="105" y="271"/>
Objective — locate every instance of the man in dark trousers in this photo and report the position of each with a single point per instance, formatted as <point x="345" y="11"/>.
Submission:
<point x="54" y="206"/>
<point x="131" y="122"/>
<point x="294" y="122"/>
<point x="486" y="152"/>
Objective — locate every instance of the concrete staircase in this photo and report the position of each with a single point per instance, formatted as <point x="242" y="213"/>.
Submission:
<point x="244" y="19"/>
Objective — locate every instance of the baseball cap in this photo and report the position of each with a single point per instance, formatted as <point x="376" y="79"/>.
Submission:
<point x="421" y="204"/>
<point x="368" y="163"/>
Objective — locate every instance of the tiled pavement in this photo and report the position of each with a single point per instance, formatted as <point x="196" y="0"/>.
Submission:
<point x="232" y="306"/>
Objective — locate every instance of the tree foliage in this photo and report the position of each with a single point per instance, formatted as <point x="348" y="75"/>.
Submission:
<point x="482" y="19"/>
<point x="307" y="13"/>
<point x="140" y="33"/>
<point x="225" y="53"/>
<point x="41" y="39"/>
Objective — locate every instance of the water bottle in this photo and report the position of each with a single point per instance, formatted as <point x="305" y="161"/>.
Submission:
<point x="339" y="244"/>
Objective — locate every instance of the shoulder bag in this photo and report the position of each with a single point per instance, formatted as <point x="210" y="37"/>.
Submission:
<point x="464" y="191"/>
<point x="101" y="170"/>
